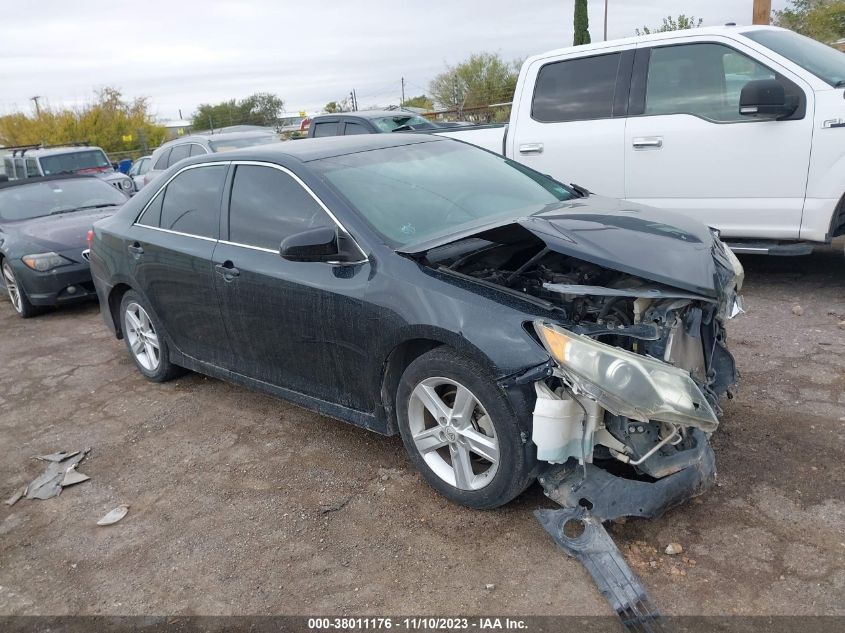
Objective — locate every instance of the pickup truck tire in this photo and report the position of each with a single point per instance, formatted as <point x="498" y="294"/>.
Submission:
<point x="460" y="431"/>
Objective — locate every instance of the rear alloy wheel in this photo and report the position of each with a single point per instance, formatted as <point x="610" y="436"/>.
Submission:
<point x="17" y="295"/>
<point x="145" y="340"/>
<point x="461" y="432"/>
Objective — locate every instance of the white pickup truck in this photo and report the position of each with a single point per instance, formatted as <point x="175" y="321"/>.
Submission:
<point x="740" y="127"/>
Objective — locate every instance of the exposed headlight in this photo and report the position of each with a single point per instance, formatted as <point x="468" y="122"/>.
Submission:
<point x="126" y="184"/>
<point x="625" y="383"/>
<point x="42" y="262"/>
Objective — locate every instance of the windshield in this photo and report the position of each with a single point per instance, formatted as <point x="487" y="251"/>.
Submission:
<point x="225" y="145"/>
<point x="73" y="162"/>
<point x="403" y="122"/>
<point x="36" y="199"/>
<point x="416" y="192"/>
<point x="825" y="62"/>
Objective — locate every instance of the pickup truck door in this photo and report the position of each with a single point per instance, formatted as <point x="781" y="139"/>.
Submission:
<point x="569" y="119"/>
<point x="687" y="148"/>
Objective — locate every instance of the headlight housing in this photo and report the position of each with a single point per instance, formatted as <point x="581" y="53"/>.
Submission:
<point x="628" y="384"/>
<point x="42" y="262"/>
<point x="126" y="184"/>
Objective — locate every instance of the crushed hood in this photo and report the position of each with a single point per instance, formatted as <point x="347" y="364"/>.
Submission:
<point x="654" y="244"/>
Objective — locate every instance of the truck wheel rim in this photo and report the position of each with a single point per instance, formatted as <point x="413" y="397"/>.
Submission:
<point x="12" y="287"/>
<point x="142" y="337"/>
<point x="453" y="433"/>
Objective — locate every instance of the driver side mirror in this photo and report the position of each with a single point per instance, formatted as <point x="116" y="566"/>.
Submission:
<point x="765" y="98"/>
<point x="321" y="244"/>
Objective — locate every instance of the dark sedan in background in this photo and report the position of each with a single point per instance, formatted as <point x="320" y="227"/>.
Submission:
<point x="503" y="323"/>
<point x="44" y="225"/>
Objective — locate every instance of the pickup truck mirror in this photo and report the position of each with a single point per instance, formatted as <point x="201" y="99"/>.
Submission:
<point x="765" y="98"/>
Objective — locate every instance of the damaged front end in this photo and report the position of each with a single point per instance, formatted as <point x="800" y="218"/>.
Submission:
<point x="625" y="406"/>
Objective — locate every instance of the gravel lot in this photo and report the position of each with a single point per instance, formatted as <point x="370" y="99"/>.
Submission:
<point x="243" y="504"/>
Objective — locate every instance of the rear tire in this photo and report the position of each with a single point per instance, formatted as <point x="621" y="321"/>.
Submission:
<point x="17" y="294"/>
<point x="145" y="339"/>
<point x="461" y="432"/>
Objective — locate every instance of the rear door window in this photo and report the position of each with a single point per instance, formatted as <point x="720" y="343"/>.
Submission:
<point x="355" y="128"/>
<point x="329" y="128"/>
<point x="178" y="153"/>
<point x="190" y="203"/>
<point x="32" y="168"/>
<point x="267" y="205"/>
<point x="576" y="89"/>
<point x="197" y="150"/>
<point x="162" y="161"/>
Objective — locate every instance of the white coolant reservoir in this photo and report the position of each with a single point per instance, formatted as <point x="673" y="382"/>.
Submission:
<point x="558" y="429"/>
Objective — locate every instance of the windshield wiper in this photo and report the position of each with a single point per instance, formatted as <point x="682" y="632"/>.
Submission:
<point x="83" y="208"/>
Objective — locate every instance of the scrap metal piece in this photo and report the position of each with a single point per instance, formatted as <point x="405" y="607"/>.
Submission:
<point x="49" y="483"/>
<point x="611" y="497"/>
<point x="582" y="536"/>
<point x="56" y="457"/>
<point x="73" y="476"/>
<point x="114" y="515"/>
<point x="20" y="492"/>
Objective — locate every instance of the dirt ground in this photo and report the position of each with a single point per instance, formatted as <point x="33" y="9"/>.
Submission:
<point x="243" y="504"/>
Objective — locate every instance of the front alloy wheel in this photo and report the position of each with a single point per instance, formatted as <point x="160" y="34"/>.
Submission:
<point x="17" y="295"/>
<point x="453" y="433"/>
<point x="460" y="430"/>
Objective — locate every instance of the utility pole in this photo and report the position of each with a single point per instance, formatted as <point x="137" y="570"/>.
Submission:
<point x="37" y="109"/>
<point x="762" y="12"/>
<point x="354" y="101"/>
<point x="605" y="19"/>
<point x="403" y="92"/>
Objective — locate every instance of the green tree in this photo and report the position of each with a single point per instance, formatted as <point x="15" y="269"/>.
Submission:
<point x="261" y="108"/>
<point x="482" y="79"/>
<point x="109" y="121"/>
<point x="681" y="23"/>
<point x="823" y="20"/>
<point x="420" y="101"/>
<point x="582" y="23"/>
<point x="332" y="107"/>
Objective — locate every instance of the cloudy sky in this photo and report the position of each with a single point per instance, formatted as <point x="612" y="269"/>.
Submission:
<point x="182" y="53"/>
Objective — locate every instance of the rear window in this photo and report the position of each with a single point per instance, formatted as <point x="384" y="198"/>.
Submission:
<point x="227" y="144"/>
<point x="161" y="161"/>
<point x="86" y="160"/>
<point x="329" y="128"/>
<point x="576" y="89"/>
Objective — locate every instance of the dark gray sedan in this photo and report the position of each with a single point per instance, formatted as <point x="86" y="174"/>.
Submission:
<point x="44" y="225"/>
<point x="504" y="324"/>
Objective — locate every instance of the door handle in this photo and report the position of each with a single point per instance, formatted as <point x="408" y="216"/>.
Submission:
<point x="227" y="270"/>
<point x="531" y="148"/>
<point x="136" y="249"/>
<point x="647" y="142"/>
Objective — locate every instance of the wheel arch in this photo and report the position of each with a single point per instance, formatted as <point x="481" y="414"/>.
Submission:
<point x="114" y="299"/>
<point x="403" y="353"/>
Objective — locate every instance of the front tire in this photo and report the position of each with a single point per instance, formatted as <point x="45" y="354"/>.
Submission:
<point x="460" y="431"/>
<point x="17" y="295"/>
<point x="145" y="339"/>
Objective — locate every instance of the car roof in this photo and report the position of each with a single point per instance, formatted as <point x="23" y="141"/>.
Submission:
<point x="728" y="29"/>
<point x="370" y="114"/>
<point x="309" y="149"/>
<point x="37" y="152"/>
<point x="214" y="137"/>
<point x="32" y="181"/>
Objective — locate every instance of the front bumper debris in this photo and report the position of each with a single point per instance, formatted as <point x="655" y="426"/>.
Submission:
<point x="605" y="563"/>
<point x="610" y="497"/>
